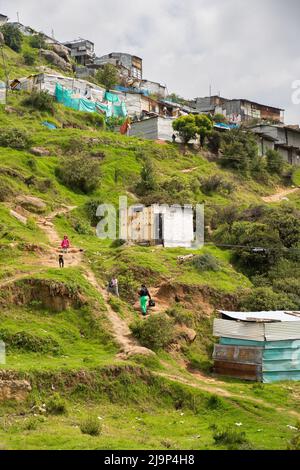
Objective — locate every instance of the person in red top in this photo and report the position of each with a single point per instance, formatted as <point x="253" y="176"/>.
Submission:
<point x="65" y="244"/>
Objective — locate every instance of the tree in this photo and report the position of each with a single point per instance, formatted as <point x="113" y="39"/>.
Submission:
<point x="147" y="182"/>
<point x="239" y="149"/>
<point x="12" y="36"/>
<point x="274" y="162"/>
<point x="204" y="126"/>
<point x="186" y="128"/>
<point x="214" y="142"/>
<point x="108" y="76"/>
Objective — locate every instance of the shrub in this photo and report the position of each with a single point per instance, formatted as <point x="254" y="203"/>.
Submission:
<point x="215" y="403"/>
<point x="40" y="100"/>
<point x="14" y="138"/>
<point x="274" y="162"/>
<point x="79" y="173"/>
<point x="181" y="316"/>
<point x="37" y="41"/>
<point x="214" y="142"/>
<point x="147" y="182"/>
<point x="206" y="262"/>
<point x="12" y="37"/>
<point x="265" y="299"/>
<point x="29" y="58"/>
<point x="56" y="405"/>
<point x="204" y="127"/>
<point x="239" y="148"/>
<point x="90" y="209"/>
<point x="108" y="76"/>
<point x="6" y="192"/>
<point x="91" y="426"/>
<point x="216" y="183"/>
<point x="156" y="332"/>
<point x="231" y="438"/>
<point x="294" y="443"/>
<point x="24" y="341"/>
<point x="95" y="119"/>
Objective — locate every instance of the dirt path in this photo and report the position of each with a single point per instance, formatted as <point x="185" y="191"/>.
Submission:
<point x="280" y="195"/>
<point x="189" y="170"/>
<point x="128" y="345"/>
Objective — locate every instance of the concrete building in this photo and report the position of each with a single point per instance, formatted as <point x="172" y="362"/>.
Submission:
<point x="3" y="19"/>
<point x="170" y="226"/>
<point x="82" y="50"/>
<point x="285" y="139"/>
<point x="155" y="128"/>
<point x="153" y="88"/>
<point x="130" y="62"/>
<point x="238" y="110"/>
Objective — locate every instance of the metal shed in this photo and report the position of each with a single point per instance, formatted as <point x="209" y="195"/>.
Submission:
<point x="258" y="346"/>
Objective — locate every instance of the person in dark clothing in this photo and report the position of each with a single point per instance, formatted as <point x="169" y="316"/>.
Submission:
<point x="61" y="261"/>
<point x="144" y="295"/>
<point x="173" y="138"/>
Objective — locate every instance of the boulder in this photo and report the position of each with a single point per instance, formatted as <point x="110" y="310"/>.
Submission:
<point x="40" y="151"/>
<point x="18" y="216"/>
<point x="56" y="60"/>
<point x="62" y="51"/>
<point x="31" y="203"/>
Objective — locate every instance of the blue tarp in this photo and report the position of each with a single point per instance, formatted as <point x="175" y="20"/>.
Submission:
<point x="132" y="90"/>
<point x="50" y="125"/>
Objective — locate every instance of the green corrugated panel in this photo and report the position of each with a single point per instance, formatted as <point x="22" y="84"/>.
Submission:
<point x="271" y="377"/>
<point x="281" y="354"/>
<point x="240" y="342"/>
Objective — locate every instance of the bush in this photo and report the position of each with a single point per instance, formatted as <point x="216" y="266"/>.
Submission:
<point x="56" y="405"/>
<point x="40" y="100"/>
<point x="231" y="438"/>
<point x="91" y="426"/>
<point x="186" y="128"/>
<point x="274" y="162"/>
<point x="14" y="138"/>
<point x="264" y="299"/>
<point x="37" y="41"/>
<point x="147" y="182"/>
<point x="239" y="149"/>
<point x="29" y="58"/>
<point x="206" y="262"/>
<point x="12" y="37"/>
<point x="108" y="76"/>
<point x="156" y="332"/>
<point x="80" y="173"/>
<point x="181" y="316"/>
<point x="214" y="142"/>
<point x="24" y="341"/>
<point x="216" y="183"/>
<point x="90" y="209"/>
<point x="6" y="192"/>
<point x="95" y="119"/>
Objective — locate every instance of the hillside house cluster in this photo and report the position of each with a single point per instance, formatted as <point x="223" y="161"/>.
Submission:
<point x="238" y="110"/>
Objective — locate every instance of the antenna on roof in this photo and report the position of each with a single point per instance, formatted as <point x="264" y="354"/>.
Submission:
<point x="18" y="17"/>
<point x="210" y="90"/>
<point x="52" y="33"/>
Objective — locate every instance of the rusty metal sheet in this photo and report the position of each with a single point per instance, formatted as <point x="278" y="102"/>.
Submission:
<point x="239" y="354"/>
<point x="252" y="372"/>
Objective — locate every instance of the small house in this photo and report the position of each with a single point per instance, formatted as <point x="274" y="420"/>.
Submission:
<point x="170" y="226"/>
<point x="3" y="19"/>
<point x="258" y="346"/>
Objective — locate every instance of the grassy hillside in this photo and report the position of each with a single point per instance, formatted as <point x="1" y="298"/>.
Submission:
<point x="69" y="340"/>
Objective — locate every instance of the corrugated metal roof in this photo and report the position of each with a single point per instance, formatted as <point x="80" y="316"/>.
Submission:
<point x="240" y="330"/>
<point x="275" y="316"/>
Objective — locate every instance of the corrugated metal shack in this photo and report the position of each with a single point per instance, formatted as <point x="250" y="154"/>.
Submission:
<point x="258" y="346"/>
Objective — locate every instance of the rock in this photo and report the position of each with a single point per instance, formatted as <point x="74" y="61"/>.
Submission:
<point x="14" y="390"/>
<point x="188" y="334"/>
<point x="56" y="60"/>
<point x="40" y="151"/>
<point x="19" y="217"/>
<point x="31" y="203"/>
<point x="62" y="51"/>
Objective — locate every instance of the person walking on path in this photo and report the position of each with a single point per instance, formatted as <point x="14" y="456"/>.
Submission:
<point x="144" y="296"/>
<point x="113" y="286"/>
<point x="65" y="244"/>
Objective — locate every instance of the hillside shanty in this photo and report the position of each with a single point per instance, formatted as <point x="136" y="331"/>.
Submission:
<point x="238" y="110"/>
<point x="258" y="346"/>
<point x="158" y="225"/>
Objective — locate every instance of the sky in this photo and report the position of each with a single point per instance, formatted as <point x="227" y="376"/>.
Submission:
<point x="241" y="49"/>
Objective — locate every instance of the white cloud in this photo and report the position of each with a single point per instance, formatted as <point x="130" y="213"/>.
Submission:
<point x="244" y="49"/>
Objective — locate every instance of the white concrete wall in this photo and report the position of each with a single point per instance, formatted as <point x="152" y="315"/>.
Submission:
<point x="178" y="229"/>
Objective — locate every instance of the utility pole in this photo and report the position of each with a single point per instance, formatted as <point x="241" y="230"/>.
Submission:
<point x="18" y="17"/>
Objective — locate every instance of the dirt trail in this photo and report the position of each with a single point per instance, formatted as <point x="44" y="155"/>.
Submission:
<point x="280" y="195"/>
<point x="189" y="170"/>
<point x="74" y="257"/>
<point x="129" y="346"/>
